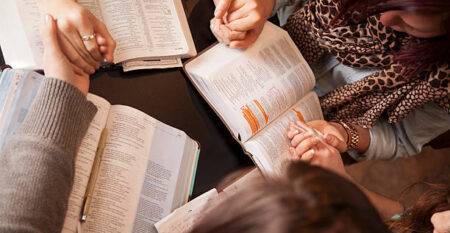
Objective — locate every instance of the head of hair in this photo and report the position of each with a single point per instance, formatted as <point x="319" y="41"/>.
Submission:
<point x="307" y="199"/>
<point x="419" y="54"/>
<point x="418" y="217"/>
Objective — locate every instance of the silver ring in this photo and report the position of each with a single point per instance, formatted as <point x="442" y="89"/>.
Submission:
<point x="312" y="151"/>
<point x="88" y="37"/>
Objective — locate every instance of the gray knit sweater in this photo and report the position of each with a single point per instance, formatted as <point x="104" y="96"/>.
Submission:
<point x="37" y="164"/>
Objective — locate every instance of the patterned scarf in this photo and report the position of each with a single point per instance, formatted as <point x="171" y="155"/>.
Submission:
<point x="366" y="44"/>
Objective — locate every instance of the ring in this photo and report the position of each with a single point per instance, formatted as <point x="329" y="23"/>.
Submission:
<point x="88" y="37"/>
<point x="296" y="132"/>
<point x="312" y="151"/>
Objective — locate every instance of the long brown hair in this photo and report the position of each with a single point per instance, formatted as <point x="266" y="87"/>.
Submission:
<point x="307" y="199"/>
<point x="418" y="217"/>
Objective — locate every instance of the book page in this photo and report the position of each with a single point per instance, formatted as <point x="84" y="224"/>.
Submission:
<point x="20" y="38"/>
<point x="22" y="46"/>
<point x="250" y="88"/>
<point x="167" y="176"/>
<point x="84" y="161"/>
<point x="123" y="162"/>
<point x="144" y="28"/>
<point x="21" y="88"/>
<point x="270" y="147"/>
<point x="138" y="173"/>
<point x="184" y="218"/>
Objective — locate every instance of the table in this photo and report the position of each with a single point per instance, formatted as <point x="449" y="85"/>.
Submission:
<point x="168" y="96"/>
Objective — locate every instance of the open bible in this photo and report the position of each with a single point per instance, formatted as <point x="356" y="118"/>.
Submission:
<point x="146" y="170"/>
<point x="257" y="91"/>
<point x="149" y="34"/>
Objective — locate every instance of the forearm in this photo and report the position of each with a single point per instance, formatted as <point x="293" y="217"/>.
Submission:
<point x="37" y="164"/>
<point x="386" y="207"/>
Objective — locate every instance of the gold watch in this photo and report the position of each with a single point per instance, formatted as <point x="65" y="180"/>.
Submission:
<point x="353" y="141"/>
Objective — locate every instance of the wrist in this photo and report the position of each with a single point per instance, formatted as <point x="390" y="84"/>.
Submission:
<point x="340" y="128"/>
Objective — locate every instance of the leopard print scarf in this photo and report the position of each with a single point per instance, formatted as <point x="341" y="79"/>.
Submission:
<point x="365" y="44"/>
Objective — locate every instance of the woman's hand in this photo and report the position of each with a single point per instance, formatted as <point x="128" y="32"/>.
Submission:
<point x="74" y="22"/>
<point x="334" y="134"/>
<point x="239" y="17"/>
<point x="312" y="148"/>
<point x="441" y="222"/>
<point x="56" y="64"/>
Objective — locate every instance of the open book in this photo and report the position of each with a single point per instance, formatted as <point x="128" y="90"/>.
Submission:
<point x="257" y="92"/>
<point x="147" y="168"/>
<point x="149" y="34"/>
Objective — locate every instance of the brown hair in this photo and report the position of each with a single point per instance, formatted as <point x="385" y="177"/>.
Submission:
<point x="307" y="199"/>
<point x="418" y="217"/>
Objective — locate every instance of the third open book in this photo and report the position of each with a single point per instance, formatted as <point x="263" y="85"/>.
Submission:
<point x="257" y="92"/>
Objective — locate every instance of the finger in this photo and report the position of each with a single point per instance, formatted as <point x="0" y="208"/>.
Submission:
<point x="86" y="29"/>
<point x="74" y="57"/>
<point x="297" y="139"/>
<point x="292" y="132"/>
<point x="102" y="32"/>
<point x="103" y="49"/>
<point x="236" y="5"/>
<point x="246" y="23"/>
<point x="335" y="142"/>
<point x="294" y="155"/>
<point x="50" y="38"/>
<point x="92" y="47"/>
<point x="214" y="29"/>
<point x="237" y="14"/>
<point x="78" y="71"/>
<point x="308" y="155"/>
<point x="73" y="36"/>
<point x="222" y="8"/>
<point x="306" y="145"/>
<point x="225" y="33"/>
<point x="251" y="37"/>
<point x="235" y="35"/>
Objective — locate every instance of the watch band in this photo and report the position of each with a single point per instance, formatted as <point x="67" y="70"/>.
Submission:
<point x="353" y="141"/>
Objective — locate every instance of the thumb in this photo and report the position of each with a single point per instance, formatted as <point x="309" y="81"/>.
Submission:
<point x="221" y="8"/>
<point x="49" y="37"/>
<point x="249" y="39"/>
<point x="335" y="142"/>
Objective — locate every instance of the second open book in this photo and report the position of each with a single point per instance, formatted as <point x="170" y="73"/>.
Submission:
<point x="257" y="92"/>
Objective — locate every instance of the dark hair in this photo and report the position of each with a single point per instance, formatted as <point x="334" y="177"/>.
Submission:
<point x="307" y="199"/>
<point x="418" y="217"/>
<point x="419" y="54"/>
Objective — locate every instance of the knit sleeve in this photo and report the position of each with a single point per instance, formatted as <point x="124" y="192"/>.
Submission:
<point x="37" y="164"/>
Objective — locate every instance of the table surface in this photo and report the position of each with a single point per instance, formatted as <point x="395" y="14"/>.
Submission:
<point x="169" y="96"/>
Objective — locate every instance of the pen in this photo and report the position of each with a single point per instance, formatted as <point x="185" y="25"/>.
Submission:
<point x="93" y="177"/>
<point x="303" y="127"/>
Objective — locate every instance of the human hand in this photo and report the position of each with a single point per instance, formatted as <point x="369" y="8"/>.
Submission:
<point x="441" y="222"/>
<point x="242" y="16"/>
<point x="336" y="135"/>
<point x="73" y="22"/>
<point x="308" y="146"/>
<point x="56" y="64"/>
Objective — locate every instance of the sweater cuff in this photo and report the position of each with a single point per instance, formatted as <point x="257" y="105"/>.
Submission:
<point x="60" y="113"/>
